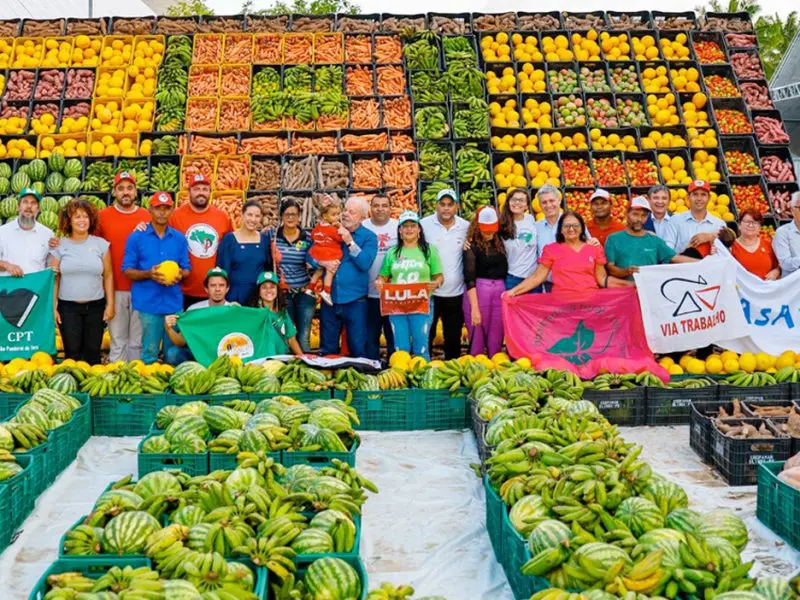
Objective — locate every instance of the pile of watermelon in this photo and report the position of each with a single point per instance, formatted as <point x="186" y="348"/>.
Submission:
<point x="56" y="176"/>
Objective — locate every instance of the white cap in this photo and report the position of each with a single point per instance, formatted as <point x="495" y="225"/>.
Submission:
<point x="487" y="219"/>
<point x="795" y="202"/>
<point x="600" y="193"/>
<point x="640" y="202"/>
<point x="450" y="193"/>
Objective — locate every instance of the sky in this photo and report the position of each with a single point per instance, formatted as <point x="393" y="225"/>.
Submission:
<point x="782" y="7"/>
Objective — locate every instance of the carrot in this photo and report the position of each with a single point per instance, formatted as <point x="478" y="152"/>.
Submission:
<point x="369" y="142"/>
<point x="194" y="165"/>
<point x="400" y="172"/>
<point x="201" y="114"/>
<point x="293" y="124"/>
<point x="401" y="142"/>
<point x="235" y="80"/>
<point x="358" y="49"/>
<point x="182" y="141"/>
<point x="231" y="204"/>
<point x="331" y="122"/>
<point x="268" y="49"/>
<point x="238" y="48"/>
<point x="367" y="173"/>
<point x="401" y="200"/>
<point x="304" y="144"/>
<point x="265" y="144"/>
<point x="364" y="114"/>
<point x="298" y="48"/>
<point x="207" y="49"/>
<point x="328" y="48"/>
<point x="204" y="81"/>
<point x="391" y="81"/>
<point x="388" y="50"/>
<point x="234" y="114"/>
<point x="397" y="113"/>
<point x="201" y="144"/>
<point x="278" y="125"/>
<point x="359" y="81"/>
<point x="233" y="172"/>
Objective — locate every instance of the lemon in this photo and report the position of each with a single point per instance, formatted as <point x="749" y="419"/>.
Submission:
<point x="786" y="359"/>
<point x="675" y="370"/>
<point x="417" y="362"/>
<point x="714" y="364"/>
<point x="695" y="366"/>
<point x="764" y="361"/>
<point x="400" y="359"/>
<point x="524" y="362"/>
<point x="666" y="362"/>
<point x="684" y="361"/>
<point x="748" y="362"/>
<point x="500" y="358"/>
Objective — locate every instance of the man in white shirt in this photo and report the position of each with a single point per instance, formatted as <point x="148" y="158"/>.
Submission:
<point x="447" y="232"/>
<point x="385" y="229"/>
<point x="696" y="229"/>
<point x="24" y="243"/>
<point x="659" y="221"/>
<point x="786" y="243"/>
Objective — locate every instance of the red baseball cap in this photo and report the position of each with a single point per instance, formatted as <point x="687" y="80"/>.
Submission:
<point x="124" y="176"/>
<point x="198" y="179"/>
<point x="487" y="219"/>
<point x="160" y="199"/>
<point x="699" y="184"/>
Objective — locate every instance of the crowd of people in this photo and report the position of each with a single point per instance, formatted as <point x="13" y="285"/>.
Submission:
<point x="106" y="264"/>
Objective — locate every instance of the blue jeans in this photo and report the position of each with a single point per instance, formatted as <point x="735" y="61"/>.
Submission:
<point x="153" y="335"/>
<point x="175" y="355"/>
<point x="301" y="308"/>
<point x="513" y="281"/>
<point x="411" y="333"/>
<point x="351" y="315"/>
<point x="375" y="323"/>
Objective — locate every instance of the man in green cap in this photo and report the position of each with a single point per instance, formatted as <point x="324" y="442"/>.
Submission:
<point x="216" y="285"/>
<point x="24" y="242"/>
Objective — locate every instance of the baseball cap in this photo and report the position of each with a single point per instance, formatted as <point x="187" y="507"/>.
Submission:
<point x="795" y="201"/>
<point x="640" y="202"/>
<point x="267" y="276"/>
<point x="447" y="192"/>
<point x="699" y="184"/>
<point x="408" y="215"/>
<point x="198" y="179"/>
<point x="487" y="220"/>
<point x="29" y="191"/>
<point x="124" y="176"/>
<point x="160" y="199"/>
<point x="216" y="272"/>
<point x="600" y="193"/>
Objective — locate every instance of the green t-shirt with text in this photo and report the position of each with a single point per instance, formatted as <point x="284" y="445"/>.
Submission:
<point x="409" y="265"/>
<point x="626" y="250"/>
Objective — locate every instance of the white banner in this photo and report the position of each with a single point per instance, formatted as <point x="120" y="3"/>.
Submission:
<point x="690" y="305"/>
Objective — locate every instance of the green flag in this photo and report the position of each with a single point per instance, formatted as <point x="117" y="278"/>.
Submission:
<point x="248" y="333"/>
<point x="27" y="326"/>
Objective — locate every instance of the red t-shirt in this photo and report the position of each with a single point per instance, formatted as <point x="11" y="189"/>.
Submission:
<point x="602" y="233"/>
<point x="203" y="233"/>
<point x="115" y="226"/>
<point x="759" y="262"/>
<point x="572" y="271"/>
<point x="327" y="242"/>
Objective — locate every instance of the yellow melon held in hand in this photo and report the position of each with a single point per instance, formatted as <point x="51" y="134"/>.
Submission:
<point x="170" y="270"/>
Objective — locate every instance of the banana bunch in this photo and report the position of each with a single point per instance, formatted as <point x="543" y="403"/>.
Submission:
<point x="392" y="379"/>
<point x="648" y="379"/>
<point x="271" y="547"/>
<point x="691" y="383"/>
<point x="84" y="540"/>
<point x="269" y="108"/>
<point x="138" y="583"/>
<point x="65" y="586"/>
<point x="249" y="377"/>
<point x="791" y="374"/>
<point x="298" y="373"/>
<point x="447" y="376"/>
<point x="344" y="472"/>
<point x="246" y="406"/>
<point x="558" y="594"/>
<point x="30" y="381"/>
<point x="125" y="380"/>
<point x="6" y="387"/>
<point x="25" y="435"/>
<point x="196" y="383"/>
<point x="349" y="379"/>
<point x="743" y="379"/>
<point x="611" y="381"/>
<point x="388" y="591"/>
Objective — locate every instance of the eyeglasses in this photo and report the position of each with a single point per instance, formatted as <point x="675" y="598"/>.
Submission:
<point x="292" y="214"/>
<point x="749" y="222"/>
<point x="518" y="200"/>
<point x="571" y="226"/>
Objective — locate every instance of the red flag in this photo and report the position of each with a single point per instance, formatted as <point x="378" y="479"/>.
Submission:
<point x="588" y="334"/>
<point x="405" y="299"/>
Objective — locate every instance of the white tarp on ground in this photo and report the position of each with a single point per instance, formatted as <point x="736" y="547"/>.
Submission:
<point x="426" y="527"/>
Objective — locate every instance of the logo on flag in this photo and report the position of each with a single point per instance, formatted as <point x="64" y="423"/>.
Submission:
<point x="692" y="300"/>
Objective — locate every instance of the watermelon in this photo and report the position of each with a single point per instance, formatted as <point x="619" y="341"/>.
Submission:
<point x="187" y="424"/>
<point x="5" y="171"/>
<point x="9" y="469"/>
<point x="116" y="501"/>
<point x="741" y="595"/>
<point x="582" y="407"/>
<point x="328" y="519"/>
<point x="295" y="415"/>
<point x="63" y="201"/>
<point x="48" y="219"/>
<point x="605" y="555"/>
<point x="180" y="589"/>
<point x="728" y="554"/>
<point x="155" y="444"/>
<point x="188" y="443"/>
<point x="165" y="416"/>
<point x="665" y="494"/>
<point x="37" y="169"/>
<point x="242" y="479"/>
<point x="253" y="441"/>
<point x="188" y="516"/>
<point x="330" y="418"/>
<point x="639" y="515"/>
<point x="527" y="513"/>
<point x="220" y="418"/>
<point x="34" y="415"/>
<point x="198" y="537"/>
<point x="774" y="588"/>
<point x="72" y="169"/>
<point x="157" y="482"/>
<point x="549" y="534"/>
<point x="58" y="411"/>
<point x="54" y="183"/>
<point x="5" y="185"/>
<point x="9" y="208"/>
<point x="333" y="579"/>
<point x="71" y="185"/>
<point x="268" y="384"/>
<point x="6" y="439"/>
<point x="56" y="162"/>
<point x="127" y="532"/>
<point x="49" y="203"/>
<point x="45" y="396"/>
<point x="313" y="541"/>
<point x="724" y="524"/>
<point x="63" y="382"/>
<point x="684" y="519"/>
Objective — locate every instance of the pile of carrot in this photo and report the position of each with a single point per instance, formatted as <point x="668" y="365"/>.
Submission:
<point x="235" y="80"/>
<point x="305" y="144"/>
<point x="201" y="144"/>
<point x="233" y="172"/>
<point x="265" y="144"/>
<point x="194" y="165"/>
<point x="364" y="114"/>
<point x="399" y="172"/>
<point x="207" y="49"/>
<point x="391" y="81"/>
<point x="358" y="49"/>
<point x="203" y="81"/>
<point x="231" y="204"/>
<point x="331" y="122"/>
<point x="234" y="114"/>
<point x="269" y="125"/>
<point x="238" y="49"/>
<point x="367" y="173"/>
<point x="359" y="81"/>
<point x="401" y="142"/>
<point x="397" y="113"/>
<point x="201" y="114"/>
<point x="293" y="124"/>
<point x="401" y="200"/>
<point x="268" y="49"/>
<point x="328" y="48"/>
<point x="388" y="50"/>
<point x="298" y="48"/>
<point x="366" y="142"/>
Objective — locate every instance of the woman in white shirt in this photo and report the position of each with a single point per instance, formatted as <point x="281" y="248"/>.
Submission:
<point x="518" y="232"/>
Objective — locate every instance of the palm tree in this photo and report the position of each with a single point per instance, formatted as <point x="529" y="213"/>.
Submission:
<point x="775" y="35"/>
<point x="752" y="7"/>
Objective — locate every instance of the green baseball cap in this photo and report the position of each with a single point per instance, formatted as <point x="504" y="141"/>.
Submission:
<point x="216" y="272"/>
<point x="267" y="276"/>
<point x="28" y="191"/>
<point x="408" y="215"/>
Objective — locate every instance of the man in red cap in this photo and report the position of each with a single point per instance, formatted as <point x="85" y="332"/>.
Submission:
<point x="154" y="293"/>
<point x="115" y="224"/>
<point x="203" y="226"/>
<point x="602" y="224"/>
<point x="696" y="229"/>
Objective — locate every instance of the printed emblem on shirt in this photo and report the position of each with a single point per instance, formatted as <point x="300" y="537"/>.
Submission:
<point x="203" y="240"/>
<point x="383" y="241"/>
<point x="525" y="237"/>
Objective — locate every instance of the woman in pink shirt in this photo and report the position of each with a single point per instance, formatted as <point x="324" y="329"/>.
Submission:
<point x="577" y="267"/>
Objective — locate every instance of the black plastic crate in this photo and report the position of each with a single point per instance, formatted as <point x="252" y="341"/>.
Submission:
<point x="764" y="393"/>
<point x="673" y="406"/>
<point x="640" y="18"/>
<point x="737" y="460"/>
<point x="700" y="415"/>
<point x="620" y="407"/>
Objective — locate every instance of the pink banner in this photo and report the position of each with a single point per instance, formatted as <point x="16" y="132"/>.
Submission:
<point x="589" y="334"/>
